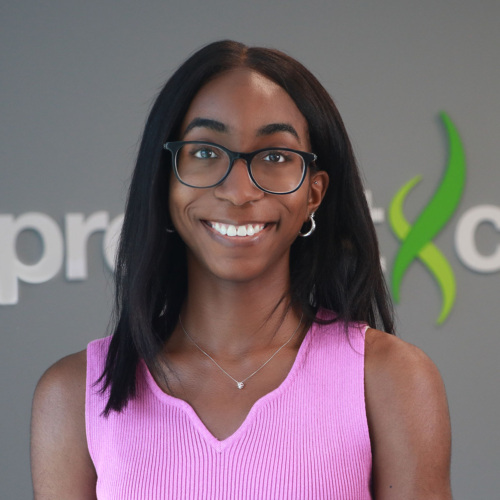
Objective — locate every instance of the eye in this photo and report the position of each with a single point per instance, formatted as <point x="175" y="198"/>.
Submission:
<point x="204" y="153"/>
<point x="274" y="157"/>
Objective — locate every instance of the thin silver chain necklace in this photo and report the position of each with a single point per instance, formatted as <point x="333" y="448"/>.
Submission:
<point x="239" y="384"/>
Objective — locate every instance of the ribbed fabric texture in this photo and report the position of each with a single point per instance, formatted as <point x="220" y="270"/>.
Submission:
<point x="308" y="439"/>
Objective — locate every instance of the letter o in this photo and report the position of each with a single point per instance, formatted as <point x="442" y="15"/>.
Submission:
<point x="111" y="240"/>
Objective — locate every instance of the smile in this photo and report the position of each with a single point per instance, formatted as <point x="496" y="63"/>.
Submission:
<point x="238" y="231"/>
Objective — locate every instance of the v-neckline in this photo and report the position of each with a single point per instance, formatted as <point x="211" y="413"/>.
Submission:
<point x="221" y="445"/>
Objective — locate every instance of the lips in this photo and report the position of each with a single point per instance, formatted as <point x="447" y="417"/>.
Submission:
<point x="232" y="230"/>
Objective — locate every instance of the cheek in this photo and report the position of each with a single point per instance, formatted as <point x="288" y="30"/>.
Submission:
<point x="178" y="200"/>
<point x="299" y="208"/>
<point x="183" y="203"/>
<point x="172" y="203"/>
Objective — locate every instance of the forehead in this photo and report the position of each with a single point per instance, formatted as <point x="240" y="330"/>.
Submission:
<point x="245" y="101"/>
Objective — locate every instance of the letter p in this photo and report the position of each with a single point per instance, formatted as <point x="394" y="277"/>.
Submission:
<point x="12" y="269"/>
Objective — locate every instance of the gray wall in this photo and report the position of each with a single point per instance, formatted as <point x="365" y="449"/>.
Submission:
<point x="77" y="82"/>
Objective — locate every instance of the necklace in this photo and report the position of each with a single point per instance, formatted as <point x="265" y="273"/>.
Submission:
<point x="239" y="384"/>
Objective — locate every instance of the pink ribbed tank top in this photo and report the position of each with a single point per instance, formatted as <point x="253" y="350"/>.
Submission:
<point x="307" y="439"/>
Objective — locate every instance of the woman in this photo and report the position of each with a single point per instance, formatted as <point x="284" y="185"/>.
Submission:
<point x="244" y="361"/>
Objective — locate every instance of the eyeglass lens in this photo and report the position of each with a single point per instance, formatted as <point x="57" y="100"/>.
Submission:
<point x="204" y="165"/>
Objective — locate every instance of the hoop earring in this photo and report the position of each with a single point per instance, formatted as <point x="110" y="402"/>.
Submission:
<point x="312" y="229"/>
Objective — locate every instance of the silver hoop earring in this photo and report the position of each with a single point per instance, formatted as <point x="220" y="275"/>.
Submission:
<point x="312" y="229"/>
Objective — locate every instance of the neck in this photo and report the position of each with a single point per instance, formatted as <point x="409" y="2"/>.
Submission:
<point x="234" y="318"/>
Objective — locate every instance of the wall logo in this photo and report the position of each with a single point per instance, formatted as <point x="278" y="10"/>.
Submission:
<point x="64" y="246"/>
<point x="416" y="239"/>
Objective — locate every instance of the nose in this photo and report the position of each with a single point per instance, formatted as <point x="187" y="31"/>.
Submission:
<point x="238" y="188"/>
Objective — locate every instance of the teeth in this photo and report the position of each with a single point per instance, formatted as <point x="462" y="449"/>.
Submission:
<point x="230" y="230"/>
<point x="221" y="228"/>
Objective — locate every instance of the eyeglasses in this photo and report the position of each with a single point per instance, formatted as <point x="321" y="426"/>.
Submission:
<point x="205" y="165"/>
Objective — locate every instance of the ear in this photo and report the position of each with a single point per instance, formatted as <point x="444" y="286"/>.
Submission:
<point x="318" y="184"/>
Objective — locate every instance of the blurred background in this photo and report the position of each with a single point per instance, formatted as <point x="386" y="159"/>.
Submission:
<point x="77" y="82"/>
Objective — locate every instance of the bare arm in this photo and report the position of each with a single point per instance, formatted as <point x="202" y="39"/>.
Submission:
<point x="408" y="420"/>
<point x="60" y="462"/>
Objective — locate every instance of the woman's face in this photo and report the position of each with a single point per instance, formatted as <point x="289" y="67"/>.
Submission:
<point x="243" y="111"/>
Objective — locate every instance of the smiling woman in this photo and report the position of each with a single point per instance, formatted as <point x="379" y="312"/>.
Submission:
<point x="243" y="363"/>
<point x="246" y="111"/>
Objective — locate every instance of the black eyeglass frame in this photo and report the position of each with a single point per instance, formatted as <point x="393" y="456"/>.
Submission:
<point x="175" y="146"/>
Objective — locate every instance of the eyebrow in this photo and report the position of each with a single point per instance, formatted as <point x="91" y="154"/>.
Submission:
<point x="217" y="126"/>
<point x="206" y="123"/>
<point x="272" y="128"/>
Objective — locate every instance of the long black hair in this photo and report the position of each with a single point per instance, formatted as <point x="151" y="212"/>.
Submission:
<point x="338" y="268"/>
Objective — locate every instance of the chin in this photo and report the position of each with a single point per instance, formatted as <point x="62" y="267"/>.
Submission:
<point x="237" y="274"/>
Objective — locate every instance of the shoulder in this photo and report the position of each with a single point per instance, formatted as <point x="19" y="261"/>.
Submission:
<point x="390" y="360"/>
<point x="59" y="453"/>
<point x="408" y="419"/>
<point x="63" y="384"/>
<point x="399" y="377"/>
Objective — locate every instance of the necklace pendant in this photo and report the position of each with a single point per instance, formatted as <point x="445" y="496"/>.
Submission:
<point x="241" y="384"/>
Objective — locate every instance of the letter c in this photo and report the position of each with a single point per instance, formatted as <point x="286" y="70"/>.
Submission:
<point x="465" y="239"/>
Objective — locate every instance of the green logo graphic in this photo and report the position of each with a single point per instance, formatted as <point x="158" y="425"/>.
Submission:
<point x="416" y="239"/>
